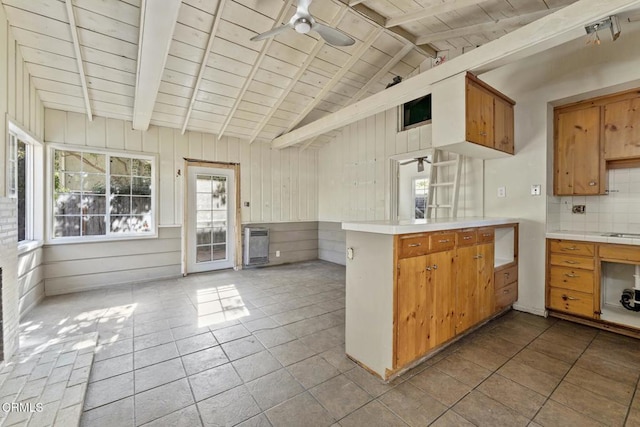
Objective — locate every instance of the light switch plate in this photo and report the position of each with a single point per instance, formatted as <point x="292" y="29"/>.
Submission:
<point x="502" y="191"/>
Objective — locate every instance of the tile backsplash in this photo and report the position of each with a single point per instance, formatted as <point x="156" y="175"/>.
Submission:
<point x="618" y="211"/>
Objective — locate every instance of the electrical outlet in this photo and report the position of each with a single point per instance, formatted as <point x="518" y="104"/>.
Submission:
<point x="536" y="189"/>
<point x="579" y="209"/>
<point x="247" y="204"/>
<point x="277" y="254"/>
<point x="502" y="191"/>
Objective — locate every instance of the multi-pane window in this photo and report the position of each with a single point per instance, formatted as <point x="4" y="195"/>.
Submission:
<point x="99" y="194"/>
<point x="420" y="197"/>
<point x="18" y="163"/>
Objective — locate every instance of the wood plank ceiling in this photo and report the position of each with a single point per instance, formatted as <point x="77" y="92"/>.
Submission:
<point x="83" y="56"/>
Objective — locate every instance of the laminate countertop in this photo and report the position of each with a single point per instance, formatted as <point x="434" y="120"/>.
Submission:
<point x="423" y="225"/>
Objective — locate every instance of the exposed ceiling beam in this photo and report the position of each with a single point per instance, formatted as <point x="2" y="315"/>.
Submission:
<point x="553" y="30"/>
<point x="379" y="20"/>
<point x="76" y="46"/>
<point x="203" y="64"/>
<point x="309" y="142"/>
<point x="303" y="68"/>
<point x="429" y="11"/>
<point x="497" y="25"/>
<point x="382" y="72"/>
<point x="355" y="2"/>
<point x="256" y="66"/>
<point x="355" y="57"/>
<point x="157" y="22"/>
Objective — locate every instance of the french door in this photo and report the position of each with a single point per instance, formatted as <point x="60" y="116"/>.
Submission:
<point x="211" y="219"/>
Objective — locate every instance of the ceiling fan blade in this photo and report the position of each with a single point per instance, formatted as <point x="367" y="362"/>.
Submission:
<point x="271" y="33"/>
<point x="332" y="36"/>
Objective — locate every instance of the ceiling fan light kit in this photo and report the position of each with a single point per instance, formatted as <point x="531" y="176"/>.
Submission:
<point x="302" y="22"/>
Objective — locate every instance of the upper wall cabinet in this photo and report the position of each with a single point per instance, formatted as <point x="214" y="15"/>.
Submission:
<point x="592" y="136"/>
<point x="472" y="118"/>
<point x="577" y="152"/>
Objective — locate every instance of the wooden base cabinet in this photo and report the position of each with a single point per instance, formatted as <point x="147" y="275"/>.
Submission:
<point x="424" y="309"/>
<point x="475" y="295"/>
<point x="572" y="278"/>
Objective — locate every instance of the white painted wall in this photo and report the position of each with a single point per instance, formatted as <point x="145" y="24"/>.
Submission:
<point x="355" y="176"/>
<point x="19" y="103"/>
<point x="567" y="73"/>
<point x="280" y="185"/>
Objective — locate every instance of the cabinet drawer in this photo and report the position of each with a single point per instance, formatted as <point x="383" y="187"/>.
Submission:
<point x="571" y="301"/>
<point x="573" y="248"/>
<point x="486" y="235"/>
<point x="506" y="295"/>
<point x="410" y="246"/>
<point x="572" y="261"/>
<point x="466" y="237"/>
<point x="620" y="252"/>
<point x="442" y="241"/>
<point x="506" y="277"/>
<point x="577" y="280"/>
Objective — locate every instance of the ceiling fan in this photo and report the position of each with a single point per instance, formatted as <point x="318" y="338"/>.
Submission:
<point x="420" y="160"/>
<point x="303" y="22"/>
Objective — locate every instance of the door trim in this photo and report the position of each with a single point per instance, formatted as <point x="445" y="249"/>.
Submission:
<point x="237" y="262"/>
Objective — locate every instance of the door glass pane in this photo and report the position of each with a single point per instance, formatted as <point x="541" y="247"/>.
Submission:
<point x="211" y="218"/>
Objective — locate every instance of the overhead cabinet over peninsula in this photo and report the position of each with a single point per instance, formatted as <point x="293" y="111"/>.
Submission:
<point x="472" y="118"/>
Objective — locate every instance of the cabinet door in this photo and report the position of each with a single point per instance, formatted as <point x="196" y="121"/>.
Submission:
<point x="621" y="132"/>
<point x="503" y="126"/>
<point x="413" y="310"/>
<point x="467" y="287"/>
<point x="479" y="115"/>
<point x="577" y="152"/>
<point x="441" y="281"/>
<point x="485" y="302"/>
<point x="475" y="299"/>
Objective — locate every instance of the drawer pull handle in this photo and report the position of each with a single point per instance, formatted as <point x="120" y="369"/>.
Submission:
<point x="415" y="245"/>
<point x="592" y="183"/>
<point x="478" y="257"/>
<point x="571" y="275"/>
<point x="572" y="248"/>
<point x="506" y="275"/>
<point x="466" y="238"/>
<point x="487" y="235"/>
<point x="443" y="241"/>
<point x="506" y="291"/>
<point x="483" y="134"/>
<point x="435" y="266"/>
<point x="571" y="262"/>
<point x="566" y="297"/>
<point x="428" y="268"/>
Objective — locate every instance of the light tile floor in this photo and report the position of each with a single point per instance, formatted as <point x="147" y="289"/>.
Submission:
<point x="265" y="347"/>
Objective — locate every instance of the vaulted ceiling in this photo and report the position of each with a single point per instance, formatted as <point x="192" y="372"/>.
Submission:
<point x="190" y="64"/>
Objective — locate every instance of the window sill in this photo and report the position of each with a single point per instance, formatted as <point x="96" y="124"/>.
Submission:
<point x="28" y="246"/>
<point x="82" y="240"/>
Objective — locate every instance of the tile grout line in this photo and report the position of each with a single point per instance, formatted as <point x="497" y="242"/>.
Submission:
<point x="548" y="398"/>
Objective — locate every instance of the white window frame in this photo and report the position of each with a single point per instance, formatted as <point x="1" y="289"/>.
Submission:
<point x="34" y="206"/>
<point x="52" y="240"/>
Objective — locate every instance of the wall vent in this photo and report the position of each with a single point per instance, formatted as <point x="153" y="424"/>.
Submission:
<point x="256" y="246"/>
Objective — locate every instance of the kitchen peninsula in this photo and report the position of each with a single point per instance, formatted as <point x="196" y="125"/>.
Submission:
<point x="414" y="286"/>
